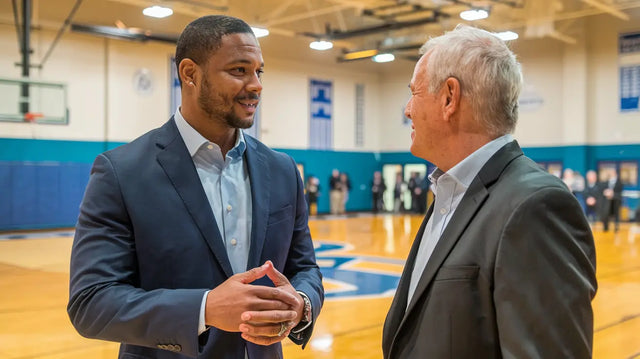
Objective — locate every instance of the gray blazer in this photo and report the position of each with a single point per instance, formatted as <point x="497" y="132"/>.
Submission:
<point x="512" y="276"/>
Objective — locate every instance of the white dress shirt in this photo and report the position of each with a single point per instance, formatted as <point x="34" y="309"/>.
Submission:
<point x="226" y="183"/>
<point x="449" y="189"/>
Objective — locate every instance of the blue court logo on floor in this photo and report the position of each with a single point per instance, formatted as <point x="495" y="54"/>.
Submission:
<point x="346" y="275"/>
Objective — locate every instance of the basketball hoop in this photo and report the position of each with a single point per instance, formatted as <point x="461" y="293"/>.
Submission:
<point x="32" y="116"/>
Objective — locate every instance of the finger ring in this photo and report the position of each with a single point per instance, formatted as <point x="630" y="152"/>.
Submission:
<point x="283" y="328"/>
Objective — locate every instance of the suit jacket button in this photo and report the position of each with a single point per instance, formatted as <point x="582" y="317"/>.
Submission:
<point x="162" y="346"/>
<point x="178" y="347"/>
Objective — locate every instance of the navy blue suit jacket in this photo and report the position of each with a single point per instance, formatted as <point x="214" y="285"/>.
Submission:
<point x="147" y="247"/>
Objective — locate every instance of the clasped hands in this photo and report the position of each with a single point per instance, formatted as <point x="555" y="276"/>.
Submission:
<point x="260" y="313"/>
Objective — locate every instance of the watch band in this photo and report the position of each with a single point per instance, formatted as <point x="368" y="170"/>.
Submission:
<point x="307" y="316"/>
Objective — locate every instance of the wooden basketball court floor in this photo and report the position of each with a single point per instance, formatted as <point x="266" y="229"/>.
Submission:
<point x="361" y="258"/>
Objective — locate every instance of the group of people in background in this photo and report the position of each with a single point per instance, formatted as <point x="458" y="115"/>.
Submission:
<point x="340" y="185"/>
<point x="417" y="186"/>
<point x="601" y="198"/>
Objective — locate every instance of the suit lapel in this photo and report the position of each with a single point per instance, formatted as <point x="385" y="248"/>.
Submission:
<point x="399" y="304"/>
<point x="178" y="165"/>
<point x="472" y="201"/>
<point x="260" y="179"/>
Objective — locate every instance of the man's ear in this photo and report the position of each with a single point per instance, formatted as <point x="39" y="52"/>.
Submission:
<point x="189" y="72"/>
<point x="451" y="92"/>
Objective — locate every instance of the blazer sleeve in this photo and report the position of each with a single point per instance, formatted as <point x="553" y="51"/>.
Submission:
<point x="301" y="268"/>
<point x="545" y="279"/>
<point x="105" y="299"/>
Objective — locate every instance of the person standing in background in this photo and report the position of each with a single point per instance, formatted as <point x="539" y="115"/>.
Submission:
<point x="378" y="187"/>
<point x="346" y="187"/>
<point x="336" y="195"/>
<point x="398" y="193"/>
<point x="612" y="193"/>
<point x="414" y="189"/>
<point x="313" y="193"/>
<point x="593" y="197"/>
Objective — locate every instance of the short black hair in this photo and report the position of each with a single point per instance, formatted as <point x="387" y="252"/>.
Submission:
<point x="203" y="36"/>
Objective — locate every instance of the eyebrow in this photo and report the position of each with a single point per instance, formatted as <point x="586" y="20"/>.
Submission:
<point x="244" y="61"/>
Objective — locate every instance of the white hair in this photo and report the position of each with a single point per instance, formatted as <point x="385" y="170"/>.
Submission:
<point x="489" y="74"/>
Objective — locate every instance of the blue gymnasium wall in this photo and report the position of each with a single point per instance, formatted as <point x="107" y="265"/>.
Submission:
<point x="42" y="181"/>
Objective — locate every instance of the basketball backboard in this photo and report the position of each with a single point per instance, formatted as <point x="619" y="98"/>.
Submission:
<point x="25" y="100"/>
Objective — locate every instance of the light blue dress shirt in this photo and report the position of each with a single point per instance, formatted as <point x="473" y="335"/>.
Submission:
<point x="226" y="183"/>
<point x="449" y="188"/>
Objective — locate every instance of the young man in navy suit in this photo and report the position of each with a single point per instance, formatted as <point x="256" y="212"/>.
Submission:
<point x="192" y="240"/>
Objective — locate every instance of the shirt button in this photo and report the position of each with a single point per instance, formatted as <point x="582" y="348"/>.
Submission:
<point x="234" y="241"/>
<point x="443" y="210"/>
<point x="229" y="208"/>
<point x="210" y="147"/>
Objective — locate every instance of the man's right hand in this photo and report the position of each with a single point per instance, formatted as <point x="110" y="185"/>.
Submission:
<point x="226" y="302"/>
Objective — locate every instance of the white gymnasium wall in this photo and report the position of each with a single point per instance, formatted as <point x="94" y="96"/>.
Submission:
<point x="285" y="104"/>
<point x="578" y="86"/>
<point x="606" y="124"/>
<point x="394" y="135"/>
<point x="105" y="105"/>
<point x="130" y="112"/>
<point x="542" y="70"/>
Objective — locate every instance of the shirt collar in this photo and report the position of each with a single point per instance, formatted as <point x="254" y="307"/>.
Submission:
<point x="466" y="170"/>
<point x="194" y="140"/>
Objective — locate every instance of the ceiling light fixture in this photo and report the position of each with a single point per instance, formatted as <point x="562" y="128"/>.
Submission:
<point x="259" y="31"/>
<point x="321" y="45"/>
<point x="356" y="55"/>
<point x="157" y="11"/>
<point x="474" y="14"/>
<point x="506" y="35"/>
<point x="383" y="58"/>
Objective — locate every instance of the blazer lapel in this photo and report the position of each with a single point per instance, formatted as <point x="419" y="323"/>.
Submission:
<point x="471" y="202"/>
<point x="399" y="304"/>
<point x="260" y="179"/>
<point x="178" y="165"/>
<point x="465" y="212"/>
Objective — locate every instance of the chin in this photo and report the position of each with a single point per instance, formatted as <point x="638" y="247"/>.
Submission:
<point x="247" y="123"/>
<point x="416" y="152"/>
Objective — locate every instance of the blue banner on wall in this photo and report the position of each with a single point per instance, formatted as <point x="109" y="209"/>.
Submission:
<point x="629" y="55"/>
<point x="321" y="115"/>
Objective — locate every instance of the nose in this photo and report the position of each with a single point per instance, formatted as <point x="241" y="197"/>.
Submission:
<point x="407" y="110"/>
<point x="254" y="84"/>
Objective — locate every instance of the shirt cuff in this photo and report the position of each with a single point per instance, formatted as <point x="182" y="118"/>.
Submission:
<point x="201" y="325"/>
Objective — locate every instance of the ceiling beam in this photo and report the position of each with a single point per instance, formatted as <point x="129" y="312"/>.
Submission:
<point x="284" y="6"/>
<point x="566" y="16"/>
<point x="608" y="9"/>
<point x="562" y="37"/>
<point x="339" y="35"/>
<point x="306" y="15"/>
